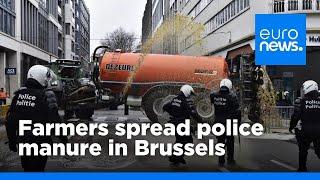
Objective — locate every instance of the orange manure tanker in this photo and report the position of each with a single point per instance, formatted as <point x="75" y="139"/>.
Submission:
<point x="156" y="78"/>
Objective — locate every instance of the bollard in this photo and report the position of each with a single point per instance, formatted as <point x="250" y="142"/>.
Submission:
<point x="126" y="110"/>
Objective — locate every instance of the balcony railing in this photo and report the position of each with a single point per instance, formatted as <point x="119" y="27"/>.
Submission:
<point x="286" y="6"/>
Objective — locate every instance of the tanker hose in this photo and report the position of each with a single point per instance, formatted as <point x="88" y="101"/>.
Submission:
<point x="96" y="58"/>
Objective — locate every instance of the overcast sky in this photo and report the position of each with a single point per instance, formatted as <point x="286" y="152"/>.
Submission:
<point x="108" y="15"/>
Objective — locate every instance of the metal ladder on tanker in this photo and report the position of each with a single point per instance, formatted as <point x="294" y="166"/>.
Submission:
<point x="247" y="84"/>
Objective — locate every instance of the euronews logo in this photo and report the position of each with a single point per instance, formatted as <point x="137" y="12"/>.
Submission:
<point x="280" y="39"/>
<point x="276" y="40"/>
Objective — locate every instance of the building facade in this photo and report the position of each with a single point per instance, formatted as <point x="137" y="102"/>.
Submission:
<point x="230" y="31"/>
<point x="28" y="36"/>
<point x="33" y="32"/>
<point x="76" y="35"/>
<point x="162" y="10"/>
<point x="82" y="34"/>
<point x="68" y="34"/>
<point x="147" y="22"/>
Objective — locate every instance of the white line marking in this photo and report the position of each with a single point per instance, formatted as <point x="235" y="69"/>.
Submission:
<point x="283" y="165"/>
<point x="223" y="169"/>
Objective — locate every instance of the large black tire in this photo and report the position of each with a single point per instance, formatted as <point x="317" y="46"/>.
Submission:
<point x="153" y="102"/>
<point x="84" y="113"/>
<point x="204" y="107"/>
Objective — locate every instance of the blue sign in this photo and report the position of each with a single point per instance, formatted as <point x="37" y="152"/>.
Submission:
<point x="11" y="71"/>
<point x="281" y="39"/>
<point x="159" y="176"/>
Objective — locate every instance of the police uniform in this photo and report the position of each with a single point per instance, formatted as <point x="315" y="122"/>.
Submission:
<point x="36" y="104"/>
<point x="180" y="109"/>
<point x="305" y="121"/>
<point x="226" y="107"/>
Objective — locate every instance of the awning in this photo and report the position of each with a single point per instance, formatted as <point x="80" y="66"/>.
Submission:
<point x="236" y="52"/>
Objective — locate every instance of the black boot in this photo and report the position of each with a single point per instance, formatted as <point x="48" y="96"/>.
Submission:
<point x="221" y="162"/>
<point x="302" y="169"/>
<point x="183" y="161"/>
<point x="231" y="162"/>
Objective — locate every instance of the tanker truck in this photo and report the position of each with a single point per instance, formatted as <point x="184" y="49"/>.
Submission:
<point x="156" y="80"/>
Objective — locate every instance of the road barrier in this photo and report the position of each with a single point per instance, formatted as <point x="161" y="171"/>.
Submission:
<point x="280" y="117"/>
<point x="3" y="112"/>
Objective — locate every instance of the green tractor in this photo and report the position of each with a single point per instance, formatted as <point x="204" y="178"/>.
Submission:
<point x="76" y="94"/>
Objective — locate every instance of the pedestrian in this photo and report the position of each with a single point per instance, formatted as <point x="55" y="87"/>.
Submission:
<point x="180" y="109"/>
<point x="41" y="108"/>
<point x="226" y="106"/>
<point x="305" y="122"/>
<point x="3" y="97"/>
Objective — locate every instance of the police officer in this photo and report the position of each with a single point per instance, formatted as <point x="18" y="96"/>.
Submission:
<point x="226" y="107"/>
<point x="305" y="121"/>
<point x="180" y="109"/>
<point x="35" y="103"/>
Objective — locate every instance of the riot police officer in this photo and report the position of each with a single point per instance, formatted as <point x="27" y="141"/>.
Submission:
<point x="180" y="109"/>
<point x="226" y="106"/>
<point x="305" y="121"/>
<point x="41" y="107"/>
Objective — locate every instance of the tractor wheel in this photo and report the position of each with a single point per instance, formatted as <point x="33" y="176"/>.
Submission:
<point x="154" y="101"/>
<point x="204" y="107"/>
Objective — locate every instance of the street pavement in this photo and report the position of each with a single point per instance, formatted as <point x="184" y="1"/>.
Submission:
<point x="276" y="152"/>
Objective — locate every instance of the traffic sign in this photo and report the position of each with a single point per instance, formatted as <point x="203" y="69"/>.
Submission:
<point x="11" y="71"/>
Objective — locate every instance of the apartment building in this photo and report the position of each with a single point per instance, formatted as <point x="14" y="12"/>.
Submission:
<point x="36" y="32"/>
<point x="162" y="10"/>
<point x="82" y="34"/>
<point x="147" y="22"/>
<point x="28" y="36"/>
